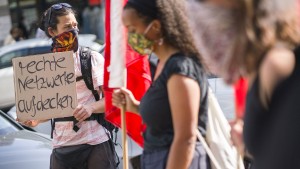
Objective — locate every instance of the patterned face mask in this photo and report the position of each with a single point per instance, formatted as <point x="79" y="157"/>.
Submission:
<point x="66" y="41"/>
<point x="140" y="43"/>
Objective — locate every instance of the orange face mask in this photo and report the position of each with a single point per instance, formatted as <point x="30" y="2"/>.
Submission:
<point x="66" y="41"/>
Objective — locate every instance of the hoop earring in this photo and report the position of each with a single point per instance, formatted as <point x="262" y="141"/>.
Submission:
<point x="161" y="41"/>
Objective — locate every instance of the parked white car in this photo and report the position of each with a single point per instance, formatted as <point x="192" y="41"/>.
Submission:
<point x="45" y="128"/>
<point x="21" y="148"/>
<point x="26" y="48"/>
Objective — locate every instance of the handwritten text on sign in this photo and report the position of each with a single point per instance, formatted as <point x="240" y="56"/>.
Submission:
<point x="45" y="86"/>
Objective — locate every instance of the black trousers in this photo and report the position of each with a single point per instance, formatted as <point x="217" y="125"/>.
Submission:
<point x="100" y="157"/>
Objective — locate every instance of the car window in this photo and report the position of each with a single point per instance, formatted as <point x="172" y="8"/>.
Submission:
<point x="40" y="50"/>
<point x="6" y="127"/>
<point x="6" y="59"/>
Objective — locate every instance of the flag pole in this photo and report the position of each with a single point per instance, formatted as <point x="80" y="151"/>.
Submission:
<point x="124" y="129"/>
<point x="117" y="65"/>
<point x="124" y="138"/>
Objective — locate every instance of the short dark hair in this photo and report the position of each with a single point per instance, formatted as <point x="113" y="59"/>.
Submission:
<point x="46" y="22"/>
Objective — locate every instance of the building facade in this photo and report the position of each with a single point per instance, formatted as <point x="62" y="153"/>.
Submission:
<point x="28" y="12"/>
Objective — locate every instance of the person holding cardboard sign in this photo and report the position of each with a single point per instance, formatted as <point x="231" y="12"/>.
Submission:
<point x="85" y="144"/>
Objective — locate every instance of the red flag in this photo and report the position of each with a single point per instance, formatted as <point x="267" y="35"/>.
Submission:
<point x="240" y="91"/>
<point x="138" y="80"/>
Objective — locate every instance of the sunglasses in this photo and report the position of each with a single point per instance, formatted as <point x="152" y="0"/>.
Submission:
<point x="57" y="7"/>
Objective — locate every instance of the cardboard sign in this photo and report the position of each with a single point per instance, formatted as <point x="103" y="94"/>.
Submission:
<point x="45" y="86"/>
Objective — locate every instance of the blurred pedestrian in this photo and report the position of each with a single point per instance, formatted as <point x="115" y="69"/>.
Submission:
<point x="175" y="105"/>
<point x="15" y="35"/>
<point x="84" y="145"/>
<point x="259" y="40"/>
<point x="97" y="23"/>
<point x="93" y="19"/>
<point x="217" y="30"/>
<point x="86" y="19"/>
<point x="22" y="26"/>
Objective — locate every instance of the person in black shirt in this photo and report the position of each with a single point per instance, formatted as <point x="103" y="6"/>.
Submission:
<point x="264" y="48"/>
<point x="175" y="105"/>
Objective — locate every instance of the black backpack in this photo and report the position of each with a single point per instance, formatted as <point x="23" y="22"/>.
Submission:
<point x="86" y="70"/>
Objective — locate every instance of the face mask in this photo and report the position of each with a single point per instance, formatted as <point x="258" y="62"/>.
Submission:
<point x="66" y="41"/>
<point x="216" y="36"/>
<point x="140" y="43"/>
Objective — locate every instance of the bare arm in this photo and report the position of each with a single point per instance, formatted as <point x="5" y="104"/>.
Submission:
<point x="31" y="123"/>
<point x="184" y="97"/>
<point x="83" y="112"/>
<point x="236" y="133"/>
<point x="278" y="64"/>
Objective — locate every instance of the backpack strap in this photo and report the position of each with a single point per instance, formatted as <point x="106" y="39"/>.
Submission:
<point x="86" y="70"/>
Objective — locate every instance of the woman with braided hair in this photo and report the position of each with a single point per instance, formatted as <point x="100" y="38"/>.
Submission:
<point x="175" y="105"/>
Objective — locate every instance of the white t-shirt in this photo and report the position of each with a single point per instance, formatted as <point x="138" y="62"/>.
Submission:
<point x="90" y="132"/>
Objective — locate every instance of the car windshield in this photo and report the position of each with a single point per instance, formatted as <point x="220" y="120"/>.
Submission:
<point x="6" y="127"/>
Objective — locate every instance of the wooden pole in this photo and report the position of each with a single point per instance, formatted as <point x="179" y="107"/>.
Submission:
<point x="124" y="138"/>
<point x="124" y="133"/>
<point x="117" y="44"/>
